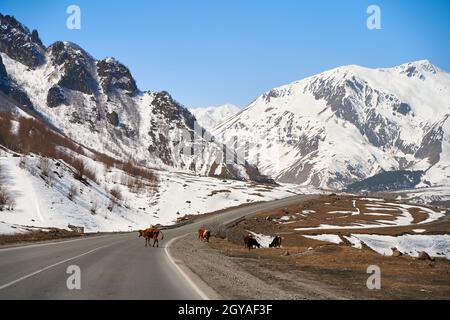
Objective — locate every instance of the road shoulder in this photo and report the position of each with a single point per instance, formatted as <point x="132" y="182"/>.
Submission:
<point x="202" y="288"/>
<point x="236" y="278"/>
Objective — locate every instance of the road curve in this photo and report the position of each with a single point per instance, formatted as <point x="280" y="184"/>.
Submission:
<point x="112" y="266"/>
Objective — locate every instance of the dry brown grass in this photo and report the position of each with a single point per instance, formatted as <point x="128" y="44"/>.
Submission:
<point x="345" y="268"/>
<point x="34" y="236"/>
<point x="340" y="266"/>
<point x="36" y="137"/>
<point x="116" y="193"/>
<point x="214" y="192"/>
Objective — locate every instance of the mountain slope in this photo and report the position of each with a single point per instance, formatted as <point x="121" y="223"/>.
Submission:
<point x="97" y="103"/>
<point x="46" y="202"/>
<point x="210" y="117"/>
<point x="348" y="124"/>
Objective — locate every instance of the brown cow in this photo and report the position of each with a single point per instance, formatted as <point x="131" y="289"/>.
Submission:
<point x="151" y="233"/>
<point x="204" y="234"/>
<point x="247" y="239"/>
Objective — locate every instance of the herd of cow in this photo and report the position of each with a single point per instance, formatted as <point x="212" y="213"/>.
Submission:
<point x="251" y="242"/>
<point x="204" y="234"/>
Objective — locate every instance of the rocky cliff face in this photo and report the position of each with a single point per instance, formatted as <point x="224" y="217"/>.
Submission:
<point x="18" y="43"/>
<point x="98" y="104"/>
<point x="114" y="75"/>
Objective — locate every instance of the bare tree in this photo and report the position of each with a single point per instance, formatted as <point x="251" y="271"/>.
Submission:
<point x="6" y="200"/>
<point x="73" y="192"/>
<point x="45" y="165"/>
<point x="111" y="205"/>
<point x="23" y="164"/>
<point x="80" y="168"/>
<point x="11" y="203"/>
<point x="82" y="171"/>
<point x="94" y="206"/>
<point x="116" y="193"/>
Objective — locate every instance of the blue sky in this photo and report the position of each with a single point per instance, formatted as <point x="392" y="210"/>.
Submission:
<point x="209" y="52"/>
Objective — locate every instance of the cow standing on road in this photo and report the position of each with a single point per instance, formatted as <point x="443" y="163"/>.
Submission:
<point x="151" y="233"/>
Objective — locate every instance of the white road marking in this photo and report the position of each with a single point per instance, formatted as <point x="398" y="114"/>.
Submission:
<point x="202" y="295"/>
<point x="6" y="285"/>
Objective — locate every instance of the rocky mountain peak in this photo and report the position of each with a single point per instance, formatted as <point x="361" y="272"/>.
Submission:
<point x="115" y="76"/>
<point x="35" y="38"/>
<point x="18" y="43"/>
<point x="163" y="104"/>
<point x="78" y="67"/>
<point x="62" y="52"/>
<point x="349" y="123"/>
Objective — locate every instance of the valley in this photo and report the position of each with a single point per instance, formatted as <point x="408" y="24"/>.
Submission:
<point x="349" y="168"/>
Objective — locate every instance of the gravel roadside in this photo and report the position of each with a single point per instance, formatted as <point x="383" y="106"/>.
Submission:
<point x="249" y="278"/>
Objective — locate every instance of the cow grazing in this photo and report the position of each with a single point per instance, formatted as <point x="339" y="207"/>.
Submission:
<point x="247" y="240"/>
<point x="204" y="234"/>
<point x="276" y="242"/>
<point x="151" y="233"/>
<point x="250" y="242"/>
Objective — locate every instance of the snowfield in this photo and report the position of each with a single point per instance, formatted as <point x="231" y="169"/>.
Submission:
<point x="423" y="195"/>
<point x="262" y="239"/>
<point x="212" y="116"/>
<point x="40" y="204"/>
<point x="326" y="237"/>
<point x="435" y="245"/>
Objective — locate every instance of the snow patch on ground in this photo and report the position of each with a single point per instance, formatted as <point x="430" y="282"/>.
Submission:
<point x="326" y="237"/>
<point x="435" y="245"/>
<point x="262" y="239"/>
<point x="412" y="245"/>
<point x="355" y="242"/>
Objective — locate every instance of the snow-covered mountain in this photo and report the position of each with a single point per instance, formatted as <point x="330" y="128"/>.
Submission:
<point x="210" y="117"/>
<point x="348" y="124"/>
<point x="97" y="103"/>
<point x="43" y="203"/>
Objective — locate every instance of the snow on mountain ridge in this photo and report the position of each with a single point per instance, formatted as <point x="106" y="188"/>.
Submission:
<point x="347" y="124"/>
<point x="210" y="117"/>
<point x="97" y="103"/>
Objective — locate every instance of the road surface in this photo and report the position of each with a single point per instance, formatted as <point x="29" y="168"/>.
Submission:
<point x="112" y="266"/>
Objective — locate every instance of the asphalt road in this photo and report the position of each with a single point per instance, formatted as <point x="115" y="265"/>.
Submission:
<point x="112" y="266"/>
